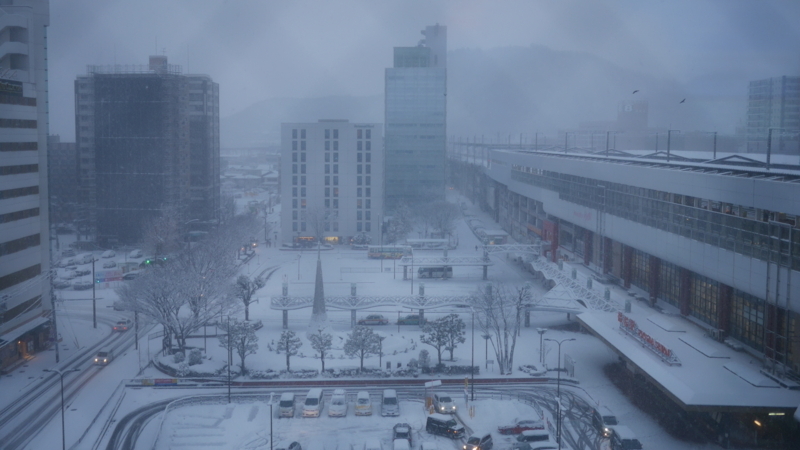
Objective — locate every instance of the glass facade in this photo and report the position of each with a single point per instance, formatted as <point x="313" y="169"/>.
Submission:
<point x="671" y="213"/>
<point x="415" y="135"/>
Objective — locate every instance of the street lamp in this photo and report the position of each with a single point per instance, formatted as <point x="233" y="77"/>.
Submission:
<point x="380" y="350"/>
<point x="486" y="338"/>
<point x="61" y="374"/>
<point x="558" y="388"/>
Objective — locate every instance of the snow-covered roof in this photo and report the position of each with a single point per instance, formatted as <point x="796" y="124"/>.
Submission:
<point x="710" y="375"/>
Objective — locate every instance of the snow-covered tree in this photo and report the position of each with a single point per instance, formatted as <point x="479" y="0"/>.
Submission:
<point x="289" y="343"/>
<point x="400" y="224"/>
<point x="444" y="333"/>
<point x="322" y="343"/>
<point x="162" y="234"/>
<point x="424" y="359"/>
<point x="442" y="216"/>
<point x="160" y="294"/>
<point x="362" y="239"/>
<point x="244" y="289"/>
<point x="241" y="336"/>
<point x="498" y="309"/>
<point x="362" y="342"/>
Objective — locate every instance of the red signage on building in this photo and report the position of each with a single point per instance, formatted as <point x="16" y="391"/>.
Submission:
<point x="629" y="326"/>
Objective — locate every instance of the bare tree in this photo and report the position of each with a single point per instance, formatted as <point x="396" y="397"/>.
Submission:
<point x="322" y="343"/>
<point x="245" y="288"/>
<point x="498" y="309"/>
<point x="362" y="342"/>
<point x="289" y="343"/>
<point x="241" y="336"/>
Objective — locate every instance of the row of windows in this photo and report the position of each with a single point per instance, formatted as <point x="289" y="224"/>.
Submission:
<point x="15" y="170"/>
<point x="17" y="123"/>
<point x="367" y="226"/>
<point x="6" y="99"/>
<point x="17" y="245"/>
<point x="18" y="146"/>
<point x="653" y="208"/>
<point x="19" y="276"/>
<point x="19" y="192"/>
<point x="22" y="308"/>
<point x="19" y="215"/>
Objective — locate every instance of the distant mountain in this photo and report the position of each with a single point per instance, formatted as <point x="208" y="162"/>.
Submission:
<point x="260" y="123"/>
<point x="512" y="90"/>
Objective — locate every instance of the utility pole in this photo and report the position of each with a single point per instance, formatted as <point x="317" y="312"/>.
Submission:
<point x="94" y="299"/>
<point x="558" y="389"/>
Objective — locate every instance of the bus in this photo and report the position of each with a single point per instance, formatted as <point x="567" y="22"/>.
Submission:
<point x="388" y="251"/>
<point x="430" y="244"/>
<point x="435" y="272"/>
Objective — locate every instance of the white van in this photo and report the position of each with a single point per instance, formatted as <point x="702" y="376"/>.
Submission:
<point x="286" y="405"/>
<point x="314" y="403"/>
<point x="389" y="404"/>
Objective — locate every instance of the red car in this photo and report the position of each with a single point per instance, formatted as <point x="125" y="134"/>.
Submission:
<point x="122" y="325"/>
<point x="520" y="426"/>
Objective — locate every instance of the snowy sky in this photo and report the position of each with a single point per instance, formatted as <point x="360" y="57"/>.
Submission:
<point x="263" y="49"/>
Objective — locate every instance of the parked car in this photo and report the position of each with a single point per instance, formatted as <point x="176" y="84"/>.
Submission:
<point x="119" y="305"/>
<point x="622" y="438"/>
<point x="68" y="252"/>
<point x="109" y="264"/>
<point x="363" y="404"/>
<point x="338" y="405"/>
<point x="442" y="425"/>
<point x="60" y="283"/>
<point x="108" y="254"/>
<point x="66" y="262"/>
<point x="443" y="403"/>
<point x="292" y="446"/>
<point x="135" y="254"/>
<point x="533" y="436"/>
<point x="402" y="431"/>
<point x="86" y="258"/>
<point x="123" y="325"/>
<point x="479" y="442"/>
<point x="314" y="403"/>
<point x="521" y="425"/>
<point x="389" y="404"/>
<point x="372" y="444"/>
<point x="286" y="405"/>
<point x="411" y="319"/>
<point x="132" y="275"/>
<point x="69" y="275"/>
<point x="82" y="272"/>
<point x="82" y="285"/>
<point x="544" y="445"/>
<point x="104" y="357"/>
<point x="373" y="319"/>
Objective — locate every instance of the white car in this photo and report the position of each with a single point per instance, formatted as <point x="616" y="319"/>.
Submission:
<point x="443" y="403"/>
<point x="109" y="264"/>
<point x="135" y="254"/>
<point x="338" y="405"/>
<point x="108" y="254"/>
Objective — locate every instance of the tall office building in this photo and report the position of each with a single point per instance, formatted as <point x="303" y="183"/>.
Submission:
<point x="774" y="103"/>
<point x="62" y="179"/>
<point x="416" y="121"/>
<point x="24" y="252"/>
<point x="148" y="142"/>
<point x="332" y="177"/>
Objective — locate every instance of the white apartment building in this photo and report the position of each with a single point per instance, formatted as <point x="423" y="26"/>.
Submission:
<point x="331" y="181"/>
<point x="24" y="251"/>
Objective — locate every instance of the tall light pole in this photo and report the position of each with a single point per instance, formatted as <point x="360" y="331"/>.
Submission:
<point x="558" y="388"/>
<point x="472" y="367"/>
<point x="380" y="350"/>
<point x="669" y="141"/>
<point x="486" y="338"/>
<point x="61" y="374"/>
<point x="541" y="332"/>
<point x="94" y="298"/>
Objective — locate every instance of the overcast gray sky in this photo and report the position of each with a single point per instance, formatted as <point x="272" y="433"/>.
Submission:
<point x="262" y="49"/>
